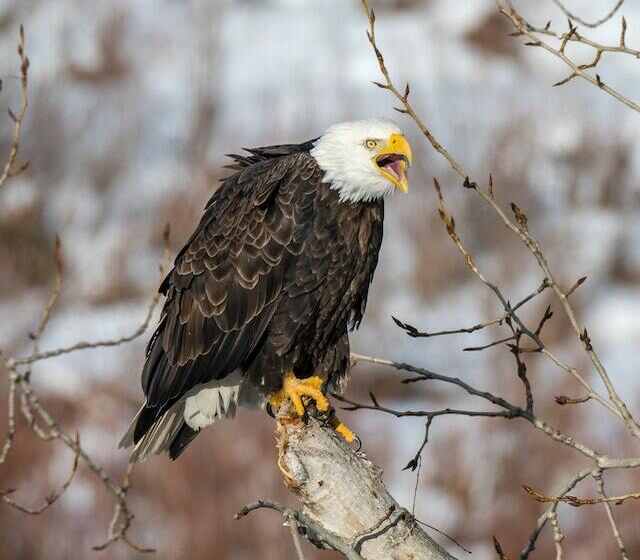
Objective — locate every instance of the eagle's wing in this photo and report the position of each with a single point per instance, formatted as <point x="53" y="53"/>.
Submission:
<point x="225" y="285"/>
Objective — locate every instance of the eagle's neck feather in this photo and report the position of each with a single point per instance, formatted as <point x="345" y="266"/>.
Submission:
<point x="351" y="176"/>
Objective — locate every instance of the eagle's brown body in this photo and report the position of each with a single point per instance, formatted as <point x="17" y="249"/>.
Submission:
<point x="274" y="276"/>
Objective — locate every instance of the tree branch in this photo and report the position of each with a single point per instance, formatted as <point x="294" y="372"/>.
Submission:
<point x="344" y="501"/>
<point x="10" y="169"/>
<point x="577" y="71"/>
<point x="593" y="24"/>
<point x="38" y="418"/>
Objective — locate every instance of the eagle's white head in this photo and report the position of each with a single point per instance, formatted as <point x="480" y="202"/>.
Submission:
<point x="364" y="160"/>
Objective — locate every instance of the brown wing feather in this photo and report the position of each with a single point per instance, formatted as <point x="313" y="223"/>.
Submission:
<point x="226" y="282"/>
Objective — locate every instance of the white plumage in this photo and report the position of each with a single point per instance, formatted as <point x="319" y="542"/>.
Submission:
<point x="212" y="401"/>
<point x="342" y="154"/>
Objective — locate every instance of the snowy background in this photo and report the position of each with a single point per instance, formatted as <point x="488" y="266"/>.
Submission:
<point x="133" y="106"/>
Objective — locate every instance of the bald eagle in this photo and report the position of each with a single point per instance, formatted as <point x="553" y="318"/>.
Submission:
<point x="261" y="298"/>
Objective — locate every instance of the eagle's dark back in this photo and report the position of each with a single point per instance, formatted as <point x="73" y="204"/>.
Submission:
<point x="275" y="274"/>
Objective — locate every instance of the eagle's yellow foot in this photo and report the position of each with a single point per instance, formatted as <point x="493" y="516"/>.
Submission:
<point x="342" y="429"/>
<point x="294" y="389"/>
<point x="346" y="434"/>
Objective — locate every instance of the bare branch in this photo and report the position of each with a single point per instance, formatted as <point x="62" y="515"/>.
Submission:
<point x="415" y="333"/>
<point x="9" y="168"/>
<point x="520" y="227"/>
<point x="546" y="516"/>
<point x="576" y="501"/>
<point x="509" y="413"/>
<point x="489" y="345"/>
<point x="122" y="517"/>
<point x="599" y="478"/>
<point x="563" y="400"/>
<point x="293" y="527"/>
<point x="314" y="533"/>
<point x="51" y="498"/>
<point x="55" y="292"/>
<point x="593" y="24"/>
<point x="407" y="108"/>
<point x="47" y="428"/>
<point x="623" y="33"/>
<point x="11" y="420"/>
<point x="422" y="374"/>
<point x="617" y="405"/>
<point x="525" y="29"/>
<point x="140" y="330"/>
<point x="558" y="535"/>
<point x="498" y="548"/>
<point x="345" y="507"/>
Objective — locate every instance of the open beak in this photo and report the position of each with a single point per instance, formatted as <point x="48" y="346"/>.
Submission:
<point x="393" y="160"/>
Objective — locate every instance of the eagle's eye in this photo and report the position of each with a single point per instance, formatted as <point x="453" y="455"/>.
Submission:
<point x="371" y="144"/>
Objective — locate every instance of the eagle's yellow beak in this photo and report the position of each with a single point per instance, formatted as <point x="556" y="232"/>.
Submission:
<point x="393" y="159"/>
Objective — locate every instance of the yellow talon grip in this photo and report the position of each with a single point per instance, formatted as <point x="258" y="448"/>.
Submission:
<point x="294" y="389"/>
<point x="345" y="432"/>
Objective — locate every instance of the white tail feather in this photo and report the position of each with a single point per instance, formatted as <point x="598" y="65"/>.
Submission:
<point x="212" y="401"/>
<point x="200" y="407"/>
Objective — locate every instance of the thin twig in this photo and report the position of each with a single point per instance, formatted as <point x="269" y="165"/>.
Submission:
<point x="11" y="421"/>
<point x="55" y="293"/>
<point x="415" y="333"/>
<point x="576" y="501"/>
<point x="18" y="118"/>
<point x="51" y="498"/>
<point x="47" y="428"/>
<point x="489" y="345"/>
<point x="558" y="535"/>
<point x="293" y="528"/>
<point x="564" y="400"/>
<point x="617" y="405"/>
<point x="502" y="555"/>
<point x="315" y="534"/>
<point x="450" y="226"/>
<point x="140" y="330"/>
<point x="593" y="24"/>
<point x="422" y="374"/>
<point x="577" y="71"/>
<point x="546" y="516"/>
<point x="599" y="478"/>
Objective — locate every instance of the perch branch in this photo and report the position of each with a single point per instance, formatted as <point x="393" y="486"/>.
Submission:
<point x="343" y="493"/>
<point x="345" y="505"/>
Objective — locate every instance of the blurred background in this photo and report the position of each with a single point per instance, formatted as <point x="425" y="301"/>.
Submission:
<point x="133" y="106"/>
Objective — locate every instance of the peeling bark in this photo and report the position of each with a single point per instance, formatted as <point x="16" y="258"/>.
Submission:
<point x="342" y="493"/>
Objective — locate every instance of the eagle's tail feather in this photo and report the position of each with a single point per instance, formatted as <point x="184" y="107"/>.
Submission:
<point x="128" y="438"/>
<point x="158" y="437"/>
<point x="174" y="429"/>
<point x="183" y="438"/>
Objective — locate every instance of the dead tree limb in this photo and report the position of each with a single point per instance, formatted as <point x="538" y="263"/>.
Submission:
<point x="345" y="504"/>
